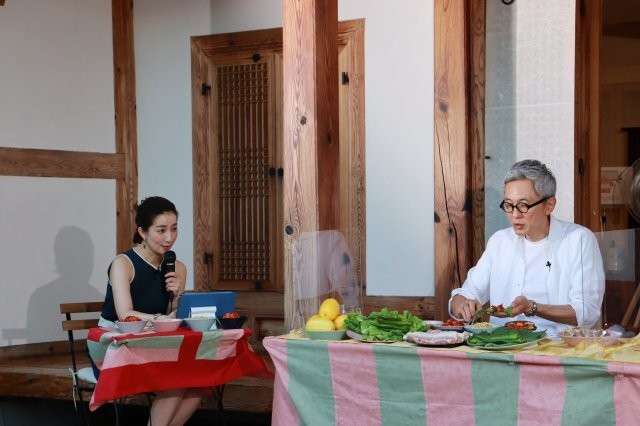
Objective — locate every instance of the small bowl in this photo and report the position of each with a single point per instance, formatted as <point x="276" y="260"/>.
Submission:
<point x="326" y="335"/>
<point x="521" y="325"/>
<point x="131" y="327"/>
<point x="231" y="323"/>
<point x="432" y="323"/>
<point x="200" y="324"/>
<point x="166" y="325"/>
<point x="585" y="336"/>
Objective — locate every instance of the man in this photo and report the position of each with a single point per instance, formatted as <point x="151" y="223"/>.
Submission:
<point x="547" y="269"/>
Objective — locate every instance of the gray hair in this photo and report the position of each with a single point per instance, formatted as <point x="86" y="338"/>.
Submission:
<point x="544" y="183"/>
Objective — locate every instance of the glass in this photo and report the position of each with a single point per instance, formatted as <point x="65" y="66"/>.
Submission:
<point x="349" y="309"/>
<point x="522" y="207"/>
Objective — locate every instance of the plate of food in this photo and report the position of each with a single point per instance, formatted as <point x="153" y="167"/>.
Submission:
<point x="451" y="325"/>
<point x="505" y="338"/>
<point x="512" y="346"/>
<point x="357" y="336"/>
<point x="521" y="325"/>
<point x="585" y="336"/>
<point x="437" y="337"/>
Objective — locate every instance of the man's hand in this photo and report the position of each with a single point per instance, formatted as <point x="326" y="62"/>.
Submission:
<point x="465" y="308"/>
<point x="521" y="305"/>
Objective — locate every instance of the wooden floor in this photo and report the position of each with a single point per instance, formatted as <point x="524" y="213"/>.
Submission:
<point x="29" y="374"/>
<point x="27" y="411"/>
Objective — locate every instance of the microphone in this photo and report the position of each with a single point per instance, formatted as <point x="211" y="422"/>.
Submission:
<point x="169" y="265"/>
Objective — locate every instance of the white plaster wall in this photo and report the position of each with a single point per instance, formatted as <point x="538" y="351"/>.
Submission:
<point x="162" y="31"/>
<point x="399" y="131"/>
<point x="56" y="92"/>
<point x="56" y="87"/>
<point x="529" y="97"/>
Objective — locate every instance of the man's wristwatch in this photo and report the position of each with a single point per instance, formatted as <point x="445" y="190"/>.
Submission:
<point x="533" y="311"/>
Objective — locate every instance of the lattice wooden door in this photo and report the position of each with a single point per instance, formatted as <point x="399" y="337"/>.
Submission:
<point x="249" y="173"/>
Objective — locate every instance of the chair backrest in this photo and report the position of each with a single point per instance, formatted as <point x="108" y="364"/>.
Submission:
<point x="79" y="307"/>
<point x="70" y="325"/>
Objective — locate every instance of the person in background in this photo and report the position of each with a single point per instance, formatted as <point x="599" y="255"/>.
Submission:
<point x="137" y="287"/>
<point x="547" y="270"/>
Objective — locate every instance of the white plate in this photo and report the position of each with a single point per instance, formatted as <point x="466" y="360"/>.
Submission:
<point x="503" y="347"/>
<point x="449" y="328"/>
<point x="430" y="338"/>
<point x="358" y="336"/>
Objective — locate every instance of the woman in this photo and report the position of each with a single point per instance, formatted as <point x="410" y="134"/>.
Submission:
<point x="137" y="287"/>
<point x="547" y="269"/>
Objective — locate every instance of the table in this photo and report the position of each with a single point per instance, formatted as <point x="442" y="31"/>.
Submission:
<point x="145" y="362"/>
<point x="354" y="383"/>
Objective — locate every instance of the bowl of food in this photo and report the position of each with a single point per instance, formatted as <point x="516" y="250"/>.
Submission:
<point x="521" y="325"/>
<point x="200" y="323"/>
<point x="586" y="336"/>
<point x="451" y="324"/>
<point x="229" y="322"/>
<point x="478" y="327"/>
<point x="432" y="323"/>
<point x="131" y="324"/>
<point x="167" y="324"/>
<point x="326" y="335"/>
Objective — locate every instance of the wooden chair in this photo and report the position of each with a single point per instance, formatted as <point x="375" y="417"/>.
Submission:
<point x="83" y="379"/>
<point x="633" y="305"/>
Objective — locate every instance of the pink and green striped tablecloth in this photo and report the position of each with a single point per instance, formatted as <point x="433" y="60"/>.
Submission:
<point x="345" y="383"/>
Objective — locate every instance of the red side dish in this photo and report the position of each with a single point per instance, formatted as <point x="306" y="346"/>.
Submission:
<point x="452" y="323"/>
<point x="521" y="325"/>
<point x="130" y="318"/>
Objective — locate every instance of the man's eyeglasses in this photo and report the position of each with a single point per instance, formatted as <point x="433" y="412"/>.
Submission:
<point x="522" y="207"/>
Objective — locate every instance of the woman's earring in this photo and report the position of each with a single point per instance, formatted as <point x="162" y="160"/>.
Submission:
<point x="144" y="244"/>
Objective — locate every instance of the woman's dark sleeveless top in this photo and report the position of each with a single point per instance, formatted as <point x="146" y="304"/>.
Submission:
<point x="148" y="292"/>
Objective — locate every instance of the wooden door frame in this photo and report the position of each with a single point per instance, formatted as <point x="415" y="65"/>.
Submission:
<point x="587" y="114"/>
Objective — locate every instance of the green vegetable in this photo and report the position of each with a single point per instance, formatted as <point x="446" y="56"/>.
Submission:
<point x="504" y="336"/>
<point x="384" y="324"/>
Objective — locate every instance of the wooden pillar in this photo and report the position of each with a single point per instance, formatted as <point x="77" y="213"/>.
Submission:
<point x="476" y="28"/>
<point x="452" y="174"/>
<point x="587" y="115"/>
<point x="310" y="123"/>
<point x="125" y="119"/>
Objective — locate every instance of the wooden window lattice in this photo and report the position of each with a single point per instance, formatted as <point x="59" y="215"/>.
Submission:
<point x="244" y="162"/>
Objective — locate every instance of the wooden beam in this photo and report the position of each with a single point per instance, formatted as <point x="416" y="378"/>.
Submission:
<point x="310" y="63"/>
<point x="476" y="28"/>
<point x="60" y="164"/>
<point x="310" y="120"/>
<point x="125" y="113"/>
<point x="452" y="234"/>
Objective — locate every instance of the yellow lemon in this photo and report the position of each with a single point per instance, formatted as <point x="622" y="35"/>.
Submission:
<point x="329" y="309"/>
<point x="339" y="322"/>
<point x="316" y="316"/>
<point x="320" y="324"/>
